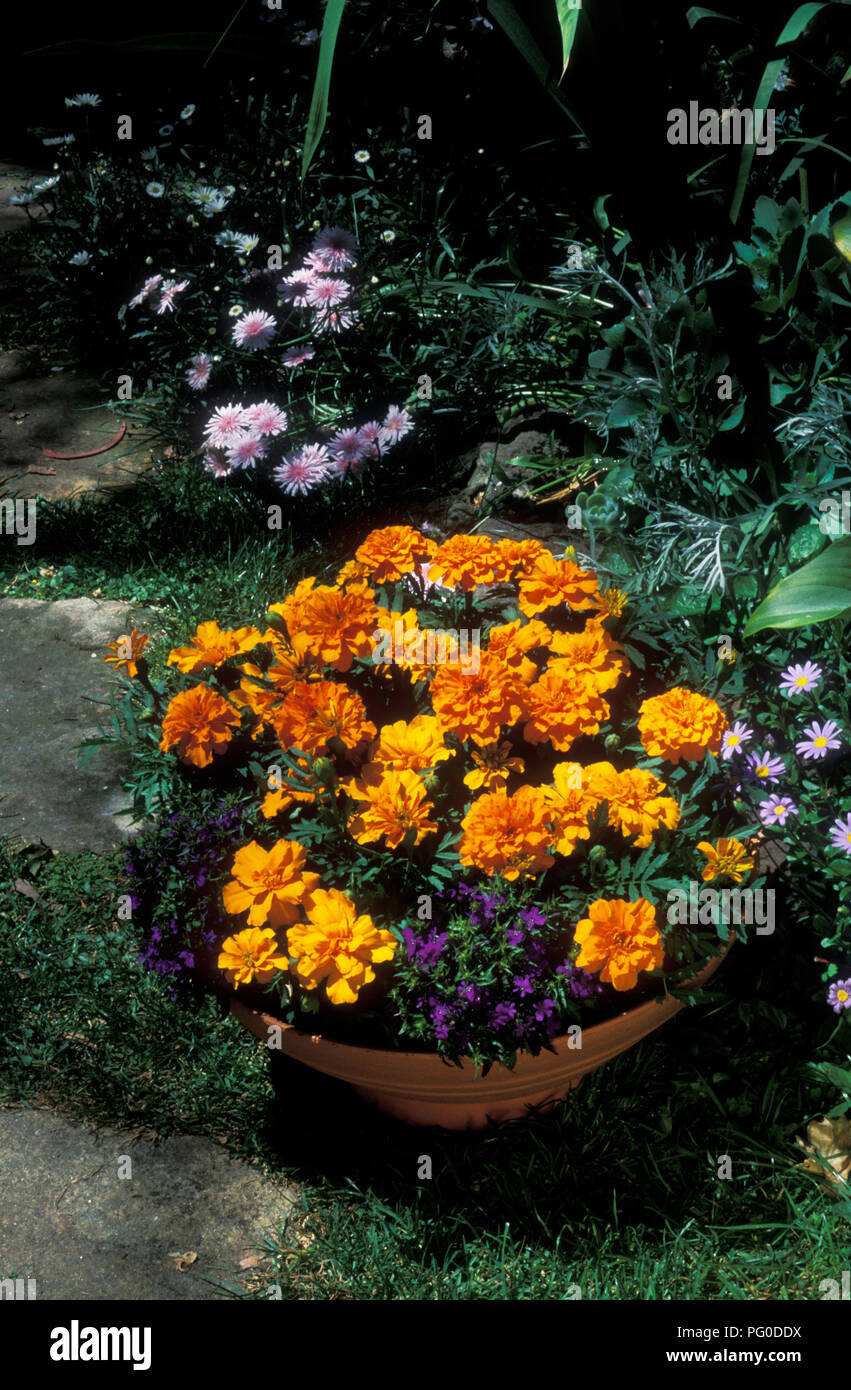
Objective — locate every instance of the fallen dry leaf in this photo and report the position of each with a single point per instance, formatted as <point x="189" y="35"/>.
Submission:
<point x="21" y="886"/>
<point x="829" y="1143"/>
<point x="250" y="1262"/>
<point x="183" y="1261"/>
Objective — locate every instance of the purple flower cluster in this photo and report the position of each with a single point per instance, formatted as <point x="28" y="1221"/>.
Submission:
<point x="481" y="978"/>
<point x="172" y="870"/>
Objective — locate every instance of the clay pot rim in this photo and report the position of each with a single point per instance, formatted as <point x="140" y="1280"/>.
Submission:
<point x="669" y="1002"/>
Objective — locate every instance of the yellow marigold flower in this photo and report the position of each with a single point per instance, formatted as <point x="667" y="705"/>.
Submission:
<point x="315" y="712"/>
<point x="636" y="804"/>
<point x="681" y="724"/>
<point x="611" y="602"/>
<point x="477" y="704"/>
<point x="551" y="582"/>
<point x="336" y="946"/>
<point x="251" y="954"/>
<point x="508" y="835"/>
<point x="415" y="745"/>
<point x="269" y="883"/>
<point x="128" y="650"/>
<point x="392" y="551"/>
<point x="618" y="939"/>
<point x="352" y="570"/>
<point x="394" y="803"/>
<point x="515" y="557"/>
<point x="726" y="856"/>
<point x="465" y="561"/>
<point x="592" y="653"/>
<point x="333" y="626"/>
<point x="211" y="646"/>
<point x="511" y="642"/>
<point x="571" y="799"/>
<point x="561" y="705"/>
<point x="200" y="722"/>
<point x="491" y="767"/>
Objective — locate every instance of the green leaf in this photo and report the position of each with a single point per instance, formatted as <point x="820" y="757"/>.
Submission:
<point x="568" y="18"/>
<point x="319" y="104"/>
<point x="698" y="12"/>
<point x="841" y="233"/>
<point x="799" y="21"/>
<point x="818" y="591"/>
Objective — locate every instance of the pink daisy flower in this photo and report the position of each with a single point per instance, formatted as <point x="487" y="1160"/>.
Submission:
<point x="333" y="320"/>
<point x="315" y="264"/>
<point x="397" y="423"/>
<point x="369" y="435"/>
<point x="346" y="447"/>
<point x="148" y="288"/>
<point x="169" y="290"/>
<point x="244" y="452"/>
<point x="336" y="246"/>
<point x="254" y="330"/>
<point x="296" y="355"/>
<point x="224" y="425"/>
<point x="199" y="373"/>
<point x="266" y="418"/>
<point x="294" y="287"/>
<point x="304" y="470"/>
<point x="217" y="466"/>
<point x="324" y="293"/>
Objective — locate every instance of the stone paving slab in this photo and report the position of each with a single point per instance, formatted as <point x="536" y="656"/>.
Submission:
<point x="69" y="1221"/>
<point x="51" y="658"/>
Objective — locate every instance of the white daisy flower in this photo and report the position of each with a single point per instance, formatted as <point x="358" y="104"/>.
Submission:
<point x="235" y="310"/>
<point x="155" y="190"/>
<point x="81" y="258"/>
<point x="187" y="112"/>
<point x="166" y="129"/>
<point x="247" y="242"/>
<point x="21" y="199"/>
<point x="45" y="184"/>
<point x="388" y="235"/>
<point x="148" y="155"/>
<point x="362" y="156"/>
<point x="83" y="99"/>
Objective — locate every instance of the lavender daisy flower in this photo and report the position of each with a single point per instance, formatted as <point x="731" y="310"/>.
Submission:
<point x="266" y="418"/>
<point x="839" y="995"/>
<point x="254" y="330"/>
<point x="199" y="373"/>
<point x="244" y="452"/>
<point x="798" y="679"/>
<point x="734" y="738"/>
<point x="840" y="834"/>
<point x="337" y="248"/>
<point x="820" y="737"/>
<point x="765" y="768"/>
<point x="775" y="810"/>
<point x="296" y="356"/>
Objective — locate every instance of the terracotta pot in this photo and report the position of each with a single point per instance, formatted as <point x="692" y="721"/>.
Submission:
<point x="421" y="1089"/>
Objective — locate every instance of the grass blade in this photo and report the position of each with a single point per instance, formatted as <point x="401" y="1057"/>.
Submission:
<point x="319" y="104"/>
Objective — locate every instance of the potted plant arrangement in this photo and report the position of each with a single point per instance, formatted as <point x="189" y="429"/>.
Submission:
<point x="439" y="830"/>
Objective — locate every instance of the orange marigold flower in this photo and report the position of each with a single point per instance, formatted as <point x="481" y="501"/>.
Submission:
<point x="315" y="712"/>
<point x="415" y="745"/>
<point x="128" y="650"/>
<point x="477" y="704"/>
<point x="492" y="766"/>
<point x="338" y="947"/>
<point x="636" y="804"/>
<point x="561" y="705"/>
<point x="592" y="653"/>
<point x="515" y="557"/>
<point x="508" y="835"/>
<point x="395" y="803"/>
<point x="333" y="626"/>
<point x="681" y="724"/>
<point x="465" y="561"/>
<point x="571" y="799"/>
<point x="212" y="645"/>
<point x="551" y="582"/>
<point x="726" y="856"/>
<point x="352" y="570"/>
<point x="200" y="722"/>
<point x="251" y="954"/>
<point x="512" y="641"/>
<point x="278" y="681"/>
<point x="392" y="551"/>
<point x="611" y="602"/>
<point x="618" y="939"/>
<point x="270" y="883"/>
<point x="398" y="644"/>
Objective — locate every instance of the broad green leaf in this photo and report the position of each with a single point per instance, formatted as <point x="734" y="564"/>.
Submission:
<point x="698" y="12"/>
<point x="319" y="105"/>
<point x="799" y="21"/>
<point x="818" y="591"/>
<point x="761" y="102"/>
<point x="508" y="19"/>
<point x="568" y="18"/>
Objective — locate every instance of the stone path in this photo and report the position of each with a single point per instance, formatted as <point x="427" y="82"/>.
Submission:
<point x="69" y="1220"/>
<point x="51" y="405"/>
<point x="51" y="660"/>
